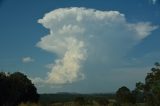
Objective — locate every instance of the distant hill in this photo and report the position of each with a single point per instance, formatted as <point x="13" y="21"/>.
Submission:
<point x="67" y="97"/>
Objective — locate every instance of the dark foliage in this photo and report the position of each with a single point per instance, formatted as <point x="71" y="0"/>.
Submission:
<point x="123" y="95"/>
<point x="151" y="88"/>
<point x="16" y="88"/>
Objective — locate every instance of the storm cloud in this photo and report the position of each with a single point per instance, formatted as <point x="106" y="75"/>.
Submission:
<point x="79" y="36"/>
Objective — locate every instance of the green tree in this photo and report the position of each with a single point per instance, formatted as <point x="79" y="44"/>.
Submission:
<point x="16" y="88"/>
<point x="138" y="92"/>
<point x="151" y="88"/>
<point x="152" y="85"/>
<point x="140" y="87"/>
<point x="3" y="88"/>
<point x="123" y="95"/>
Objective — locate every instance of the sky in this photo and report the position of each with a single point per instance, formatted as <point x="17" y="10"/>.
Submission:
<point x="83" y="46"/>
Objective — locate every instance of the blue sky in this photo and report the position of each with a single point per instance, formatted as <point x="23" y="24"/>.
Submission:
<point x="20" y="34"/>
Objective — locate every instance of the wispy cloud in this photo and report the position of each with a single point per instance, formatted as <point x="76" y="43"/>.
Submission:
<point x="154" y="1"/>
<point x="27" y="59"/>
<point x="49" y="66"/>
<point x="84" y="38"/>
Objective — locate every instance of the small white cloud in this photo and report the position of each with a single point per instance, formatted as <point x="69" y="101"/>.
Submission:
<point x="27" y="59"/>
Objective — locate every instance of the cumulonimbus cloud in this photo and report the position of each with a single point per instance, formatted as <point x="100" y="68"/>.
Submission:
<point x="81" y="35"/>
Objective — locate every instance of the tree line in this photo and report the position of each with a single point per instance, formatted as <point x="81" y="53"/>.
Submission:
<point x="16" y="88"/>
<point x="147" y="92"/>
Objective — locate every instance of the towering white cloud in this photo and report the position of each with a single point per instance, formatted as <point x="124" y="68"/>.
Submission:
<point x="80" y="35"/>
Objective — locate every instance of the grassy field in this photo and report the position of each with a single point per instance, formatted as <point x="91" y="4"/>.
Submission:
<point x="74" y="104"/>
<point x="67" y="99"/>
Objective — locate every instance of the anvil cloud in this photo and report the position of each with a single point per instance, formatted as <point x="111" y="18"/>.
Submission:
<point x="79" y="36"/>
